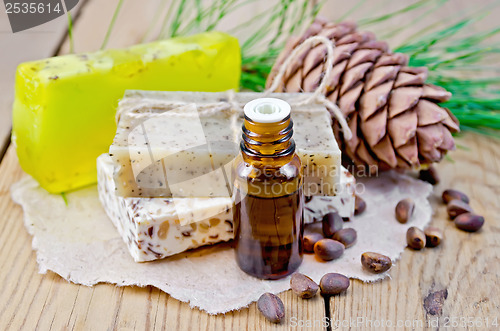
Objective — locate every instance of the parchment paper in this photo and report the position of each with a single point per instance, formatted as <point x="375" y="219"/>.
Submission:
<point x="78" y="242"/>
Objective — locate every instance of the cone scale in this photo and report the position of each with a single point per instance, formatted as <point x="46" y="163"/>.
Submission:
<point x="393" y="114"/>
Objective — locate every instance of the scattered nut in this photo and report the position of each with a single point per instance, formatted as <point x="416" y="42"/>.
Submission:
<point x="430" y="175"/>
<point x="433" y="236"/>
<point x="359" y="205"/>
<point x="456" y="207"/>
<point x="309" y="240"/>
<point x="346" y="236"/>
<point x="328" y="249"/>
<point x="332" y="222"/>
<point x="375" y="262"/>
<point x="303" y="286"/>
<point x="315" y="227"/>
<point x="469" y="222"/>
<point x="333" y="283"/>
<point x="415" y="238"/>
<point x="450" y="194"/>
<point x="404" y="210"/>
<point x="271" y="307"/>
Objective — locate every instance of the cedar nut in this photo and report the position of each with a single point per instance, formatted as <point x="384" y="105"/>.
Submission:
<point x="346" y="236"/>
<point x="457" y="207"/>
<point x="333" y="283"/>
<point x="271" y="307"/>
<point x="328" y="249"/>
<point x="469" y="222"/>
<point x="415" y="238"/>
<point x="303" y="286"/>
<point x="433" y="236"/>
<point x="451" y="194"/>
<point x="332" y="222"/>
<point x="404" y="210"/>
<point x="375" y="262"/>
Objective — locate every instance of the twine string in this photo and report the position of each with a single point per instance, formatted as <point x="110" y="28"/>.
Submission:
<point x="145" y="107"/>
<point x="319" y="94"/>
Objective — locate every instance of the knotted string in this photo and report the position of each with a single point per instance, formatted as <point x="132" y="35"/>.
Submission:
<point x="133" y="108"/>
<point x="319" y="94"/>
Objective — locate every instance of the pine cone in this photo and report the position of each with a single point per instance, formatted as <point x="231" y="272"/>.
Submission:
<point x="392" y="113"/>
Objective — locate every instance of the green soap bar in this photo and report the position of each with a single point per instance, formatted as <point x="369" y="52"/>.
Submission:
<point x="64" y="108"/>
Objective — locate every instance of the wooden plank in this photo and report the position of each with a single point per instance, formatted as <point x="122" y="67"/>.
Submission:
<point x="36" y="43"/>
<point x="28" y="299"/>
<point x="132" y="23"/>
<point x="106" y="306"/>
<point x="448" y="13"/>
<point x="168" y="313"/>
<point x="466" y="265"/>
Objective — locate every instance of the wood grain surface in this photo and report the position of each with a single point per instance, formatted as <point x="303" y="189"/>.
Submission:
<point x="458" y="280"/>
<point x="464" y="273"/>
<point x="465" y="268"/>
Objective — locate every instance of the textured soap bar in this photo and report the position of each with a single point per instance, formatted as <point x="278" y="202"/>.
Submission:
<point x="182" y="144"/>
<point x="64" y="108"/>
<point x="154" y="228"/>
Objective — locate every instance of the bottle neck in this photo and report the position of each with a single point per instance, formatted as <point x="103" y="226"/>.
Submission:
<point x="267" y="141"/>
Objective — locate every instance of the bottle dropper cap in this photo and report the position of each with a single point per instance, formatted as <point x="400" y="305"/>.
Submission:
<point x="267" y="110"/>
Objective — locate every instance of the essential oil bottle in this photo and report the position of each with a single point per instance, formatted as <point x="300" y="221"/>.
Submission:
<point x="268" y="192"/>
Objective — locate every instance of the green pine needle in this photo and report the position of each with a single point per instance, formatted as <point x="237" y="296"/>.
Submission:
<point x="475" y="101"/>
<point x="461" y="61"/>
<point x="70" y="33"/>
<point x="65" y="198"/>
<point x="111" y="25"/>
<point x="385" y="17"/>
<point x="174" y="27"/>
<point x="449" y="57"/>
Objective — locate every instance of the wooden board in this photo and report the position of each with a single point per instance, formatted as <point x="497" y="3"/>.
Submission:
<point x="466" y="266"/>
<point x="132" y="22"/>
<point x="28" y="299"/>
<point x="138" y="21"/>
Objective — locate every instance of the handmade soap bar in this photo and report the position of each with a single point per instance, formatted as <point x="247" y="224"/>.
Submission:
<point x="64" y="108"/>
<point x="182" y="144"/>
<point x="154" y="228"/>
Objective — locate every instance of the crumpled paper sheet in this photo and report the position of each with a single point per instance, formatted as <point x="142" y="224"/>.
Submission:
<point x="78" y="242"/>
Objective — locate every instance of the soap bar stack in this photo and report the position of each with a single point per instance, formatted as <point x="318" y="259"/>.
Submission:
<point x="166" y="181"/>
<point x="182" y="144"/>
<point x="154" y="228"/>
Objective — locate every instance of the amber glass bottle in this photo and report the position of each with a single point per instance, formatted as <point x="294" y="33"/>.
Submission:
<point x="268" y="192"/>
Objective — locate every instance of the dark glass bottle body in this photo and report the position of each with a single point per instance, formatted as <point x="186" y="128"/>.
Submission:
<point x="269" y="201"/>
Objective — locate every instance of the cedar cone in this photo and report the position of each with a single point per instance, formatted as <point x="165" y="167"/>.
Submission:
<point x="393" y="115"/>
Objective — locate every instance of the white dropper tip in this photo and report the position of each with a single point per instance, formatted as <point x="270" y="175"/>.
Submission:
<point x="267" y="110"/>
